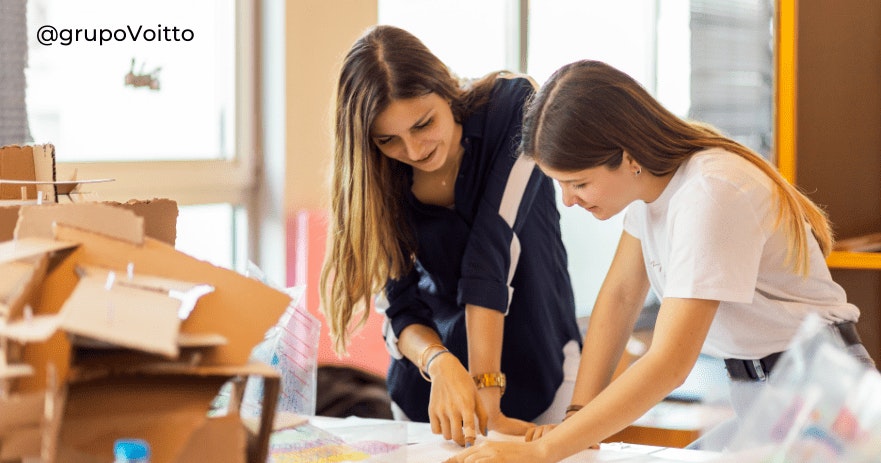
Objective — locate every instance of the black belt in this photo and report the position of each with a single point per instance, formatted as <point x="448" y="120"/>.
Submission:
<point x="758" y="370"/>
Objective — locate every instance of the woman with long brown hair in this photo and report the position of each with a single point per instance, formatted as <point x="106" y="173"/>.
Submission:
<point x="735" y="253"/>
<point x="434" y="214"/>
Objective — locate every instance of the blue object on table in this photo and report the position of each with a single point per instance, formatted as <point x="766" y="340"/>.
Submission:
<point x="131" y="451"/>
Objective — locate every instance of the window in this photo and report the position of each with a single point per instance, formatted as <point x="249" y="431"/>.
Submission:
<point x="680" y="51"/>
<point x="487" y="30"/>
<point x="157" y="95"/>
<point x="178" y="101"/>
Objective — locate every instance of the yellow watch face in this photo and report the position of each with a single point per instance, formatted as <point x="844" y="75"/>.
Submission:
<point x="491" y="380"/>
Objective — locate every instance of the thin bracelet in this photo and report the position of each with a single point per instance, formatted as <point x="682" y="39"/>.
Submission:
<point x="422" y="363"/>
<point x="573" y="408"/>
<point x="431" y="359"/>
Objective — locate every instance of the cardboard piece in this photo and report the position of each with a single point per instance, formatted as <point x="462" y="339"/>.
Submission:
<point x="17" y="163"/>
<point x="24" y="425"/>
<point x="21" y="281"/>
<point x="44" y="169"/>
<point x="15" y="370"/>
<point x="122" y="315"/>
<point x="240" y="309"/>
<point x="140" y="391"/>
<point x="8" y="219"/>
<point x="37" y="329"/>
<point x="167" y="406"/>
<point x="31" y="162"/>
<point x="11" y="251"/>
<point x="29" y="425"/>
<point x="37" y="221"/>
<point x="21" y="442"/>
<point x="21" y="410"/>
<point x="188" y="293"/>
<point x="160" y="217"/>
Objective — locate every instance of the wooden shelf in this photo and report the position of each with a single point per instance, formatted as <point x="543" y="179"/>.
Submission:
<point x="673" y="424"/>
<point x="854" y="260"/>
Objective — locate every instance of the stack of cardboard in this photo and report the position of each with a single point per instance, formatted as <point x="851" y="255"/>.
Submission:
<point x="108" y="332"/>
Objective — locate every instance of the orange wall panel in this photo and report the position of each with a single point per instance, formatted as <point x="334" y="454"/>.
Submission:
<point x="306" y="235"/>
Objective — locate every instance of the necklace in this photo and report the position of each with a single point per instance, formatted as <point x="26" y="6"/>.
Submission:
<point x="439" y="187"/>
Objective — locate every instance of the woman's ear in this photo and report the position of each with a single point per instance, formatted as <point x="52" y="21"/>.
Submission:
<point x="628" y="161"/>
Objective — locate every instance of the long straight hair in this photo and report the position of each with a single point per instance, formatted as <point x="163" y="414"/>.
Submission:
<point x="589" y="113"/>
<point x="369" y="239"/>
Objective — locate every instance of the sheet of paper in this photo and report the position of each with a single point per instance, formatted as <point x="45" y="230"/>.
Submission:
<point x="430" y="452"/>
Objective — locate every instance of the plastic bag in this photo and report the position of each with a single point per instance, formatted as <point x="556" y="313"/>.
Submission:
<point x="820" y="405"/>
<point x="291" y="347"/>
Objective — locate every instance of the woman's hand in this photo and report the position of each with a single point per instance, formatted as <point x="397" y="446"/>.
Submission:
<point x="454" y="409"/>
<point x="498" y="421"/>
<point x="510" y="426"/>
<point x="503" y="451"/>
<point x="538" y="431"/>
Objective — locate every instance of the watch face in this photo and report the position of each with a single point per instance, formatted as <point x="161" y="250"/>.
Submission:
<point x="491" y="380"/>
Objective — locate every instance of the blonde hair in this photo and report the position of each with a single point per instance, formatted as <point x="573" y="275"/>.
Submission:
<point x="589" y="113"/>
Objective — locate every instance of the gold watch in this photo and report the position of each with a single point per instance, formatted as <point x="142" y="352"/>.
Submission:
<point x="491" y="380"/>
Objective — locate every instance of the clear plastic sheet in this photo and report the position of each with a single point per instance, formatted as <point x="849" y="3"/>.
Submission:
<point x="291" y="347"/>
<point x="821" y="404"/>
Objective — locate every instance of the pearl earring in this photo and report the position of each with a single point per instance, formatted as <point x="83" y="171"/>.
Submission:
<point x="638" y="170"/>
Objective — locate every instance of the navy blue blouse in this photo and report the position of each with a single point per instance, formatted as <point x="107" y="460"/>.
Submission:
<point x="499" y="247"/>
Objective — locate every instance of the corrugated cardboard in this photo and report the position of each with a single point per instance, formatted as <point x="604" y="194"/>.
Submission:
<point x="167" y="406"/>
<point x="20" y="279"/>
<point x="29" y="425"/>
<point x="8" y="219"/>
<point x="123" y="316"/>
<point x="17" y="163"/>
<point x="240" y="309"/>
<point x="160" y="217"/>
<point x="164" y="402"/>
<point x="37" y="221"/>
<point x="32" y="162"/>
<point x="116" y="393"/>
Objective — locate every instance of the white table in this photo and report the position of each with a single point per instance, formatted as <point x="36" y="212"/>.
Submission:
<point x="414" y="442"/>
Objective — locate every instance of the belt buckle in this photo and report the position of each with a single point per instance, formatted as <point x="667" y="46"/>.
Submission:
<point x="759" y="370"/>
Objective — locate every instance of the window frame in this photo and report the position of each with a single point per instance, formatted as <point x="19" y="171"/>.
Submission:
<point x="192" y="182"/>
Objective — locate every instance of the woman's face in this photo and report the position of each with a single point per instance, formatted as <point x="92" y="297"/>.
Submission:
<point x="420" y="132"/>
<point x="599" y="190"/>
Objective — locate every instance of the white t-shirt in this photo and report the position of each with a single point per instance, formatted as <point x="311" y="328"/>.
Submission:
<point x="711" y="235"/>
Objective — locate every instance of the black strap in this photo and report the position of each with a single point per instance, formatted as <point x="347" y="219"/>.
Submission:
<point x="849" y="334"/>
<point x="752" y="370"/>
<point x="758" y="370"/>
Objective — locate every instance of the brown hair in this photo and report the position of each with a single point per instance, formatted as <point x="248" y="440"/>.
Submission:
<point x="589" y="113"/>
<point x="369" y="240"/>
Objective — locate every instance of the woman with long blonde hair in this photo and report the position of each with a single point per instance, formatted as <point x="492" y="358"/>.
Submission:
<point x="735" y="254"/>
<point x="434" y="214"/>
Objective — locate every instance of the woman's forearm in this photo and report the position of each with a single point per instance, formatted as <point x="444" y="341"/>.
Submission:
<point x="418" y="343"/>
<point x="609" y="329"/>
<point x="485" y="330"/>
<point x="629" y="397"/>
